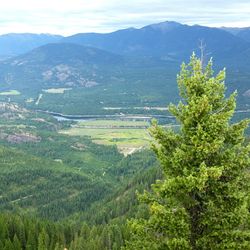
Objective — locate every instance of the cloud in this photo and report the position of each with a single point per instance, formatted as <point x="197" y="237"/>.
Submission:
<point x="74" y="16"/>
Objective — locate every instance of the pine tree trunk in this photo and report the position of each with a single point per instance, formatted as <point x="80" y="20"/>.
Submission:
<point x="195" y="227"/>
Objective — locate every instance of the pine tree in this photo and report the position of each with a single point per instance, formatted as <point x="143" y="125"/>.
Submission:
<point x="3" y="230"/>
<point x="8" y="245"/>
<point x="43" y="240"/>
<point x="202" y="201"/>
<point x="1" y="244"/>
<point x="16" y="243"/>
<point x="31" y="241"/>
<point x="22" y="234"/>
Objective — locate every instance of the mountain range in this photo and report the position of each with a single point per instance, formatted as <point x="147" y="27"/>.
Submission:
<point x="167" y="39"/>
<point x="124" y="56"/>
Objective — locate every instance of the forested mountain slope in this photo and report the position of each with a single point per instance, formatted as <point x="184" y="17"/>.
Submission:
<point x="57" y="65"/>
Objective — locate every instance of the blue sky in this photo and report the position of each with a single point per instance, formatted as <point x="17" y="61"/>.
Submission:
<point x="73" y="16"/>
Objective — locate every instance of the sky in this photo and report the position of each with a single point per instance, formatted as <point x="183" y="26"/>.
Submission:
<point x="67" y="17"/>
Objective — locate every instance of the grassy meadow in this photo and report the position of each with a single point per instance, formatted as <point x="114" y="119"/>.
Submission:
<point x="10" y="92"/>
<point x="128" y="136"/>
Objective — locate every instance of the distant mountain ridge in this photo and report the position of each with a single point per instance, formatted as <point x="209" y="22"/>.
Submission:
<point x="166" y="40"/>
<point x="13" y="44"/>
<point x="169" y="40"/>
<point x="243" y="33"/>
<point x="54" y="53"/>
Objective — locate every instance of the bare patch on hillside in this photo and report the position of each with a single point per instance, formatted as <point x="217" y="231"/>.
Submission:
<point x="18" y="138"/>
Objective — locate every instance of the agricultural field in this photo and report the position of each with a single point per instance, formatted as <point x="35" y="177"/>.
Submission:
<point x="128" y="136"/>
<point x="10" y="92"/>
<point x="113" y="123"/>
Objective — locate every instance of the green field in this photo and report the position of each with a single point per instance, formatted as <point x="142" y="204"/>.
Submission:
<point x="113" y="123"/>
<point x="10" y="92"/>
<point x="128" y="140"/>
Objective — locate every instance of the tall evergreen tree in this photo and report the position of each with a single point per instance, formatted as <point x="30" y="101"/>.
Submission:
<point x="16" y="243"/>
<point x="31" y="241"/>
<point x="43" y="240"/>
<point x="202" y="201"/>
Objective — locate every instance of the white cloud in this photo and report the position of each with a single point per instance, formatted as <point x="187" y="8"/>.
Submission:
<point x="73" y="16"/>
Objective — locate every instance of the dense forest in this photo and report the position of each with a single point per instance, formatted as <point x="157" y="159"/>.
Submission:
<point x="60" y="191"/>
<point x="101" y="222"/>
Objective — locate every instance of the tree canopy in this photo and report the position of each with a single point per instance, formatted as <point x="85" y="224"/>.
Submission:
<point x="202" y="200"/>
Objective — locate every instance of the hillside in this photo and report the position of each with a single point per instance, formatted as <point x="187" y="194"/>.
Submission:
<point x="57" y="65"/>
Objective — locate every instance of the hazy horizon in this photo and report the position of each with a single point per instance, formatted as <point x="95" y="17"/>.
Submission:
<point x="46" y="33"/>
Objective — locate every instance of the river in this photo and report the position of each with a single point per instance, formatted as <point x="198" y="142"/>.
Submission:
<point x="137" y="117"/>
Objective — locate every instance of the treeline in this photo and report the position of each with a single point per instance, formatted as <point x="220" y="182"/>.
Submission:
<point x="123" y="204"/>
<point x="92" y="220"/>
<point x="18" y="232"/>
<point x="106" y="228"/>
<point x="45" y="188"/>
<point x="22" y="233"/>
